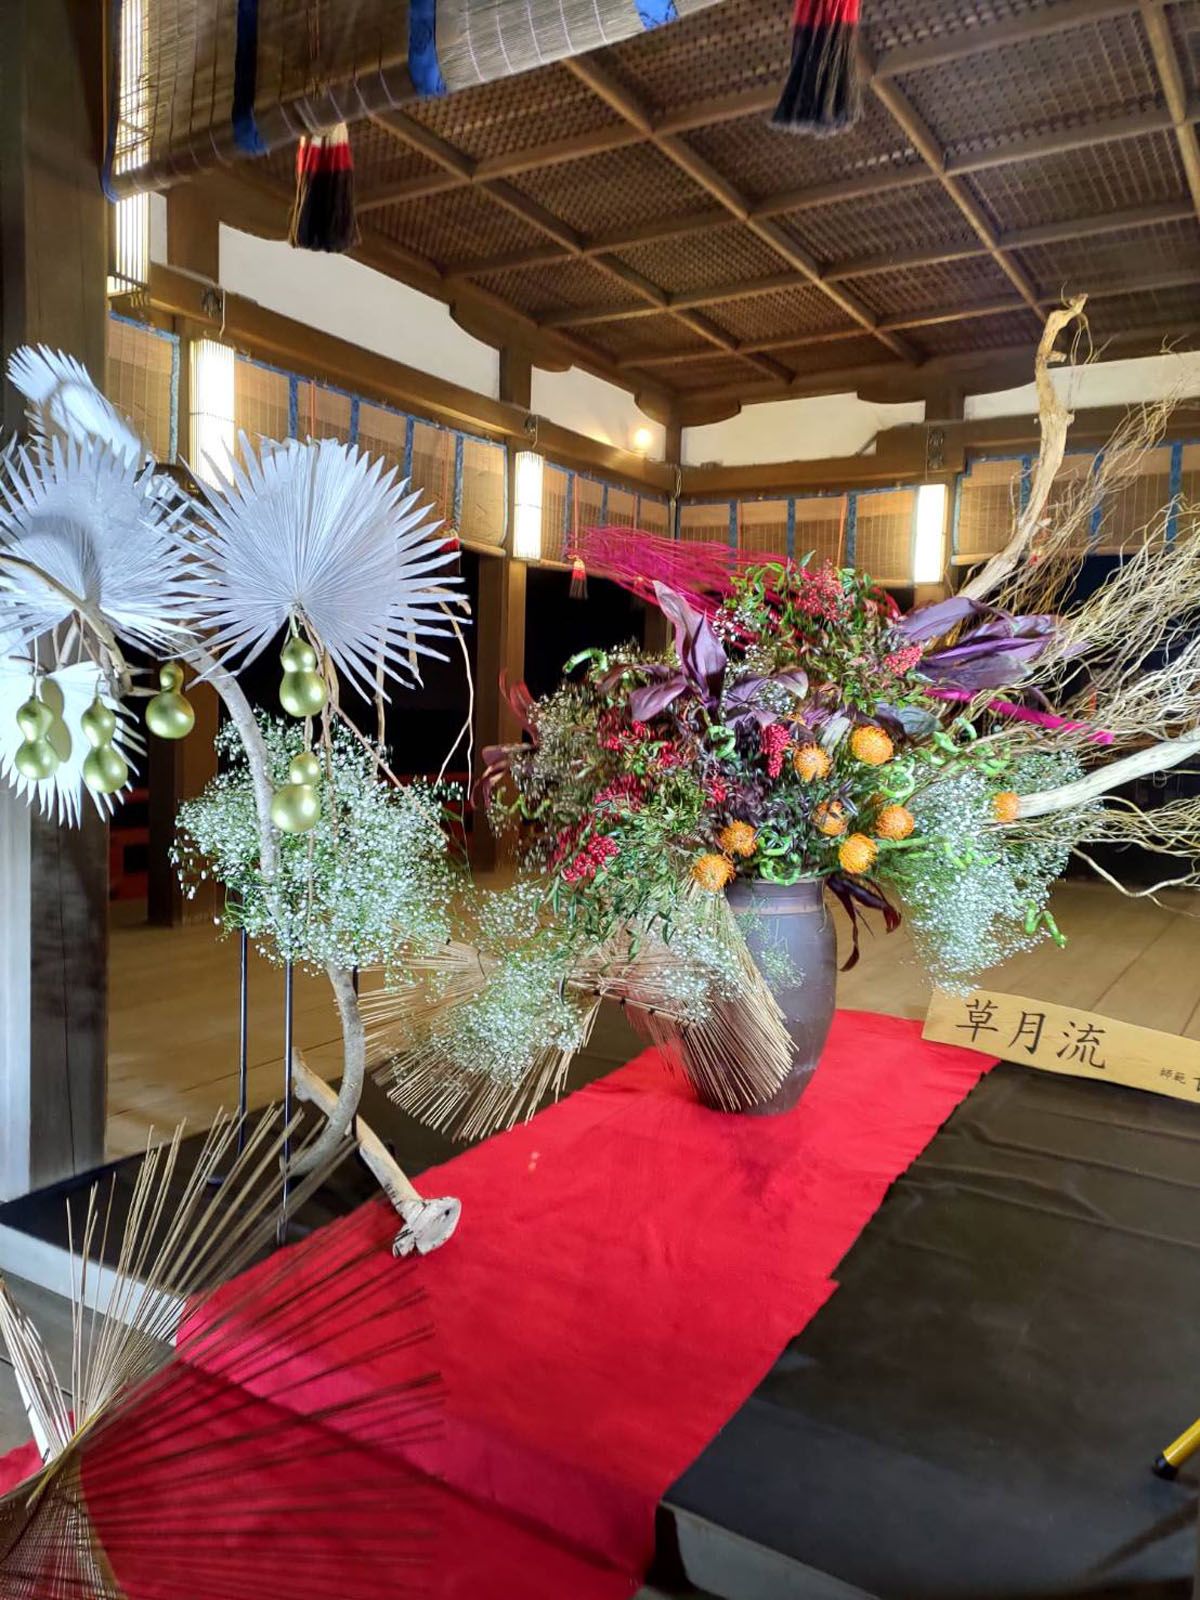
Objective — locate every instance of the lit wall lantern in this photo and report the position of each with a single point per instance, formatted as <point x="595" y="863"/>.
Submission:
<point x="929" y="542"/>
<point x="212" y="405"/>
<point x="527" y="507"/>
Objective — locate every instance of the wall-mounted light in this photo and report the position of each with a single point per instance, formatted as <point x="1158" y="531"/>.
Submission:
<point x="211" y="430"/>
<point x="643" y="438"/>
<point x="527" y="507"/>
<point x="929" y="543"/>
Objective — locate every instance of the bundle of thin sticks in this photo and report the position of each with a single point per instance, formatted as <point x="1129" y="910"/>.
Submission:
<point x="220" y="1437"/>
<point x="737" y="1054"/>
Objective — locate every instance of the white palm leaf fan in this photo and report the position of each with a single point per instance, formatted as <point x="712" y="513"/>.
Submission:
<point x="61" y="795"/>
<point x="64" y="404"/>
<point x="322" y="535"/>
<point x="87" y="534"/>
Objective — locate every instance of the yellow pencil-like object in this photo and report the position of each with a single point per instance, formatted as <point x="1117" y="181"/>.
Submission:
<point x="1177" y="1452"/>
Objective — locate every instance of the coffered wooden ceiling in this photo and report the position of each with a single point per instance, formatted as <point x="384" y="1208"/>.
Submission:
<point x="635" y="210"/>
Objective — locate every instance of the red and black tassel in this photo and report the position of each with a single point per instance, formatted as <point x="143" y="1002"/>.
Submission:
<point x="578" y="579"/>
<point x="323" y="215"/>
<point x="823" y="93"/>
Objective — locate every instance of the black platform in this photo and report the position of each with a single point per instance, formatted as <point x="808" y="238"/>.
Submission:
<point x="974" y="1413"/>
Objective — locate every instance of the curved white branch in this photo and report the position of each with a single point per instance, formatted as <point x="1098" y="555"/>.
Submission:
<point x="1055" y="420"/>
<point x="1158" y="758"/>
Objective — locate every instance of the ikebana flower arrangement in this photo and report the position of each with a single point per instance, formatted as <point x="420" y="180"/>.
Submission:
<point x="311" y="543"/>
<point x="689" y="821"/>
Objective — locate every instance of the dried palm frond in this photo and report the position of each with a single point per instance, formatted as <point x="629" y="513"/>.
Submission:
<point x="224" y="1434"/>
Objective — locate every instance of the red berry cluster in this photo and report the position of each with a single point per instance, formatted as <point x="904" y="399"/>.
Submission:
<point x="773" y="742"/>
<point x="903" y="660"/>
<point x="590" y="859"/>
<point x="821" y="594"/>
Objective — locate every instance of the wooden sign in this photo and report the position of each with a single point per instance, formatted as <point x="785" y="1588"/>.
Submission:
<point x="1068" y="1040"/>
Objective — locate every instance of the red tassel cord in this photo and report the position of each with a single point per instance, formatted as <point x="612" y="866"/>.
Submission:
<point x="823" y="93"/>
<point x="578" y="579"/>
<point x="323" y="215"/>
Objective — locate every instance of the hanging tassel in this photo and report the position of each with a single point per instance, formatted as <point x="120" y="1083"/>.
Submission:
<point x="823" y="93"/>
<point x="578" y="579"/>
<point x="323" y="215"/>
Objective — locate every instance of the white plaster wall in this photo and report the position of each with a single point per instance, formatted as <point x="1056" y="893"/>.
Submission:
<point x="796" y="430"/>
<point x="601" y="410"/>
<point x="356" y="303"/>
<point x="1100" y="383"/>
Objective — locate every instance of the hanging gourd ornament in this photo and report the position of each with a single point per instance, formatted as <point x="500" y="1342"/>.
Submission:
<point x="59" y="735"/>
<point x="296" y="806"/>
<point x="302" y="692"/>
<point x="169" y="714"/>
<point x="36" y="757"/>
<point x="104" y="768"/>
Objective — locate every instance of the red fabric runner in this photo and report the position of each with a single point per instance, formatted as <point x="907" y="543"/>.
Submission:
<point x="628" y="1267"/>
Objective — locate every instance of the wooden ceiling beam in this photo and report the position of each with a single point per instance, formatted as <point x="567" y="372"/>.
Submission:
<point x="1183" y="278"/>
<point x="1170" y="77"/>
<point x="907" y="119"/>
<point x="944" y="48"/>
<point x="568" y="239"/>
<point x="615" y="94"/>
<point x="1061" y="141"/>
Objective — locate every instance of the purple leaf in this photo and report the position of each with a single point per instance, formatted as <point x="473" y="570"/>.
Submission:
<point x="647" y="702"/>
<point x="699" y="650"/>
<point x="929" y="622"/>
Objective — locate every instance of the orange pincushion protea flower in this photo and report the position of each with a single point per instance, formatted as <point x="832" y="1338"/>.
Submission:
<point x="712" y="872"/>
<point x="738" y="839"/>
<point x="895" y="822"/>
<point x="810" y="762"/>
<point x="871" y="746"/>
<point x="830" y="819"/>
<point x="857" y="853"/>
<point x="1006" y="806"/>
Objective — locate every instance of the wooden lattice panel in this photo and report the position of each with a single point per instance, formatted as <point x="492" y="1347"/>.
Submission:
<point x="556" y="511"/>
<point x="704" y="524"/>
<point x="382" y="432"/>
<point x="883" y="542"/>
<point x="1188" y="515"/>
<point x="433" y="467"/>
<point x="322" y="413"/>
<point x="1137" y="510"/>
<point x="483" y="493"/>
<point x="587" y="504"/>
<point x="763" y="527"/>
<point x="622" y="508"/>
<point x="989" y="501"/>
<point x="260" y="400"/>
<point x="654" y="516"/>
<point x="821" y="529"/>
<point x="140" y="367"/>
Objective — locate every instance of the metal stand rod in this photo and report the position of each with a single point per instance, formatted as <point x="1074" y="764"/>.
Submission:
<point x="287" y="1093"/>
<point x="243" y="1038"/>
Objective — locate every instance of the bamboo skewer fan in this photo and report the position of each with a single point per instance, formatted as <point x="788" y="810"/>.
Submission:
<point x="238" y="1437"/>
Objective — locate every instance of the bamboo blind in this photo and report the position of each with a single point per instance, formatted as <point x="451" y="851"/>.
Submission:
<point x="622" y="509"/>
<point x="883" y="540"/>
<point x="484" y="480"/>
<point x="261" y="400"/>
<point x="821" y="529"/>
<point x="556" y="510"/>
<point x="763" y="527"/>
<point x="382" y="432"/>
<point x="141" y="378"/>
<point x="703" y="523"/>
<point x="322" y="413"/>
<point x="989" y="502"/>
<point x="654" y="516"/>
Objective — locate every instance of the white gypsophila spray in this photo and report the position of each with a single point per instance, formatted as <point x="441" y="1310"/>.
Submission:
<point x="321" y="533"/>
<point x="369" y="884"/>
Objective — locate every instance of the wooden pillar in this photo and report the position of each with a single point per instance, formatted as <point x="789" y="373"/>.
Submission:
<point x="500" y="613"/>
<point x="54" y="906"/>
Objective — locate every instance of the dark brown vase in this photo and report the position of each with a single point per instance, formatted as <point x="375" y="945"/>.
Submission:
<point x="795" y="919"/>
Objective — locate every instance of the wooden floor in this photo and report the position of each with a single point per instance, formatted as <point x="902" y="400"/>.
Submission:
<point x="173" y="1000"/>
